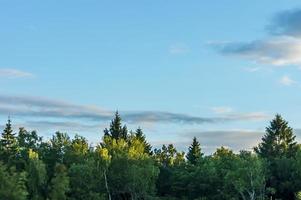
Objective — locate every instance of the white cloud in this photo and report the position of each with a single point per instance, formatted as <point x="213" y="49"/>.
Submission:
<point x="14" y="73"/>
<point x="278" y="51"/>
<point x="287" y="81"/>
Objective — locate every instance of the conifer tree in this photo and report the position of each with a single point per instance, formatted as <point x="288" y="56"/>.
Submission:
<point x="141" y="137"/>
<point x="117" y="131"/>
<point x="278" y="148"/>
<point x="194" y="152"/>
<point x="279" y="140"/>
<point x="8" y="142"/>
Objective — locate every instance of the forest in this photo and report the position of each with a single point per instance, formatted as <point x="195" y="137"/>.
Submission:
<point x="124" y="166"/>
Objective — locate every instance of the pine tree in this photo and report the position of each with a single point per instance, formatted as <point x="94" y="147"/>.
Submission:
<point x="117" y="131"/>
<point x="279" y="140"/>
<point x="194" y="152"/>
<point x="141" y="137"/>
<point x="8" y="142"/>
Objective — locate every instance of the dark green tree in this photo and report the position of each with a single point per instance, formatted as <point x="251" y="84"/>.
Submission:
<point x="59" y="183"/>
<point x="279" y="140"/>
<point x="194" y="152"/>
<point x="37" y="177"/>
<point x="8" y="143"/>
<point x="12" y="184"/>
<point x="279" y="149"/>
<point x="116" y="130"/>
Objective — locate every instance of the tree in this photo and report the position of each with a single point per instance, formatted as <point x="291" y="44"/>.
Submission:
<point x="279" y="140"/>
<point x="8" y="143"/>
<point x="12" y="184"/>
<point x="59" y="183"/>
<point x="279" y="149"/>
<point x="194" y="152"/>
<point x="248" y="177"/>
<point x="86" y="181"/>
<point x="116" y="130"/>
<point x="77" y="151"/>
<point x="37" y="177"/>
<point x="141" y="137"/>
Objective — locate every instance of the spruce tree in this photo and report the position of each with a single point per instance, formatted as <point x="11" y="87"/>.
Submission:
<point x="117" y="131"/>
<point x="194" y="152"/>
<point x="278" y="148"/>
<point x="8" y="142"/>
<point x="141" y="137"/>
<point x="279" y="140"/>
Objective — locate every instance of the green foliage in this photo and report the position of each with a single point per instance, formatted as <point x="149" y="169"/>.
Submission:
<point x="116" y="130"/>
<point x="141" y="137"/>
<point x="12" y="184"/>
<point x="8" y="144"/>
<point x="37" y="177"/>
<point x="194" y="152"/>
<point x="248" y="177"/>
<point x="123" y="167"/>
<point x="86" y="181"/>
<point x="279" y="140"/>
<point x="279" y="148"/>
<point x="59" y="183"/>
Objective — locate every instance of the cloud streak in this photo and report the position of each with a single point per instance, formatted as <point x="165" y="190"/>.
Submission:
<point x="275" y="51"/>
<point x="32" y="107"/>
<point x="14" y="73"/>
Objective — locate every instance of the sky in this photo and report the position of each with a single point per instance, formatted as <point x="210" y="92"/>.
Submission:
<point x="217" y="70"/>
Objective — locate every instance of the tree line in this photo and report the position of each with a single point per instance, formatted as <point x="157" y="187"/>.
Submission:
<point x="124" y="166"/>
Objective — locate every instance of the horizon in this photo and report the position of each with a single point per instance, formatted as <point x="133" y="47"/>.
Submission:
<point x="214" y="71"/>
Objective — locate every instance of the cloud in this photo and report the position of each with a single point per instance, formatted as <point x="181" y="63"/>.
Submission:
<point x="286" y="23"/>
<point x="61" y="126"/>
<point x="287" y="81"/>
<point x="32" y="107"/>
<point x="275" y="51"/>
<point x="221" y="110"/>
<point x="14" y="73"/>
<point x="235" y="139"/>
<point x="281" y="47"/>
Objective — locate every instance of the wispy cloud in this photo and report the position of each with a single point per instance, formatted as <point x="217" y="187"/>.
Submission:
<point x="28" y="106"/>
<point x="287" y="81"/>
<point x="14" y="73"/>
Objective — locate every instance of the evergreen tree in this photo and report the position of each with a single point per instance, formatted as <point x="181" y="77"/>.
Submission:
<point x="8" y="143"/>
<point x="141" y="137"/>
<point x="117" y="131"/>
<point x="279" y="149"/>
<point x="194" y="152"/>
<point x="279" y="140"/>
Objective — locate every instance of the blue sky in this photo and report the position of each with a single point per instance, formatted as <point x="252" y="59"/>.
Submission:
<point x="216" y="70"/>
